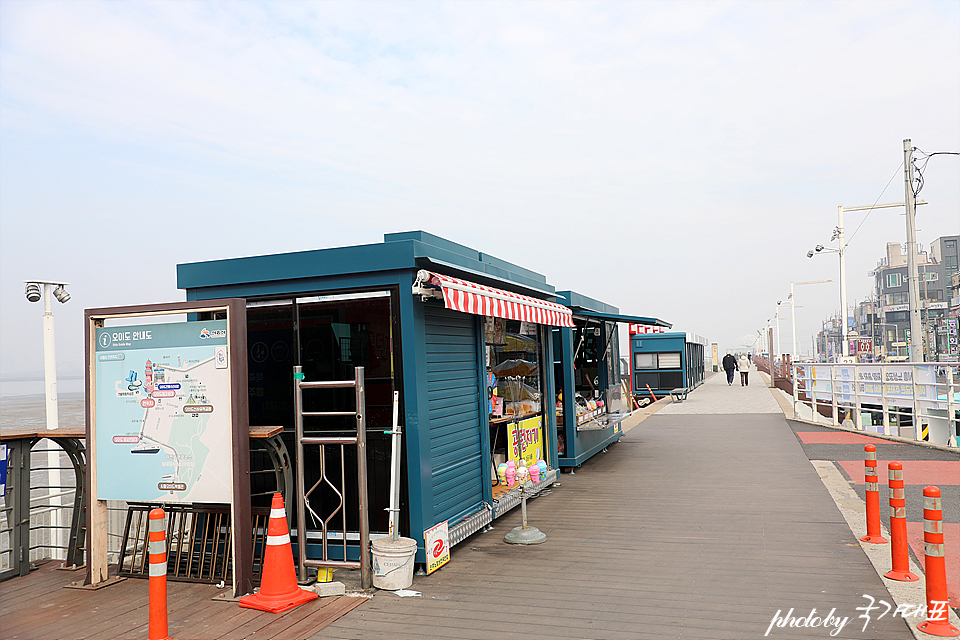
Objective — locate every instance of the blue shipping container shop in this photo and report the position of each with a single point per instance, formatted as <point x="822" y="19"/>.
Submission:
<point x="666" y="361"/>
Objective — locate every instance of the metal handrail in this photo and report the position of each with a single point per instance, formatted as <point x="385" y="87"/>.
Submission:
<point x="916" y="404"/>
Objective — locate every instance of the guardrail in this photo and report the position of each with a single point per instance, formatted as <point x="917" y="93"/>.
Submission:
<point x="37" y="515"/>
<point x="920" y="401"/>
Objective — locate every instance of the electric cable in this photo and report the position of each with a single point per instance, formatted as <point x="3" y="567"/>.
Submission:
<point x="870" y="210"/>
<point x="926" y="158"/>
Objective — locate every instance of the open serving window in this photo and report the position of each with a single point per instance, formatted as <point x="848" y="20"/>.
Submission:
<point x="590" y="400"/>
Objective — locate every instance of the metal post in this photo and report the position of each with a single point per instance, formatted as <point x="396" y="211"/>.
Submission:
<point x="883" y="399"/>
<point x="366" y="575"/>
<point x="952" y="425"/>
<point x="845" y="346"/>
<point x="918" y="430"/>
<point x="793" y="322"/>
<point x="779" y="352"/>
<point x="913" y="284"/>
<point x="833" y="392"/>
<point x="53" y="421"/>
<point x="394" y="509"/>
<point x="796" y="385"/>
<point x="858" y="418"/>
<point x="301" y="510"/>
<point x="813" y="393"/>
<point x="773" y="370"/>
<point x="18" y="482"/>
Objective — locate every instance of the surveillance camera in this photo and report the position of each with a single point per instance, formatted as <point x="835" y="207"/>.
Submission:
<point x="33" y="292"/>
<point x="810" y="253"/>
<point x="61" y="294"/>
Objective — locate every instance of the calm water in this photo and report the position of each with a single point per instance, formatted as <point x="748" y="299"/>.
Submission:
<point x="30" y="411"/>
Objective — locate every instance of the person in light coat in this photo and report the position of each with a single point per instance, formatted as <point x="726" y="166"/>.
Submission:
<point x="743" y="365"/>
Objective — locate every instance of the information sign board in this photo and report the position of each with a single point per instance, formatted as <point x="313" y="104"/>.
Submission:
<point x="163" y="413"/>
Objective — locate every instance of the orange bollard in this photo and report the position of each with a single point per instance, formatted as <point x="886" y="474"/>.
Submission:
<point x="899" y="552"/>
<point x="938" y="623"/>
<point x="279" y="590"/>
<point x="651" y="393"/>
<point x="873" y="496"/>
<point x="157" y="548"/>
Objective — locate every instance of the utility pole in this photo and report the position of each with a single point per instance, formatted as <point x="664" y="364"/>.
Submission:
<point x="844" y="346"/>
<point x="913" y="279"/>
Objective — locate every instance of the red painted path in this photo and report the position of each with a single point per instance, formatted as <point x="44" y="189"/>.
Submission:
<point x="915" y="473"/>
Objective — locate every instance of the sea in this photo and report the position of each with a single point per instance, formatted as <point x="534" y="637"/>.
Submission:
<point x="23" y="403"/>
<point x="23" y="406"/>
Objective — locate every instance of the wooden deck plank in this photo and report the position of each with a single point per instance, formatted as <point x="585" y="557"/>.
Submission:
<point x="319" y="620"/>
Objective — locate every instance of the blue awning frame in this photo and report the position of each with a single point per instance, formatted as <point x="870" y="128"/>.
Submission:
<point x="619" y="317"/>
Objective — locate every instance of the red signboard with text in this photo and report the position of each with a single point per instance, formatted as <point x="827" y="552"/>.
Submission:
<point x="645" y="328"/>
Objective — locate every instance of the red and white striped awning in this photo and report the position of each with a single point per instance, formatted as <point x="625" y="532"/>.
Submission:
<point x="478" y="299"/>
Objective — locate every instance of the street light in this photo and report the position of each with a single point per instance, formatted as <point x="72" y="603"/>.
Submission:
<point x="838" y="235"/>
<point x="793" y="306"/>
<point x="32" y="292"/>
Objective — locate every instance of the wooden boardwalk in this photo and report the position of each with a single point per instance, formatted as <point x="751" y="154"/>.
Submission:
<point x="38" y="607"/>
<point x="695" y="525"/>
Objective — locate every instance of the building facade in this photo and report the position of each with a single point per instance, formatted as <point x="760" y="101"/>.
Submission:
<point x="889" y="325"/>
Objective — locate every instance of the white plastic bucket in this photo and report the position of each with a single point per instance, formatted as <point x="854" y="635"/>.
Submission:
<point x="393" y="562"/>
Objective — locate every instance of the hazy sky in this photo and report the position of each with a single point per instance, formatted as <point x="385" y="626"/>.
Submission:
<point x="674" y="159"/>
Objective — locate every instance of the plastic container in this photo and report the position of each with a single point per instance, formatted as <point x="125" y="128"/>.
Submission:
<point x="393" y="562"/>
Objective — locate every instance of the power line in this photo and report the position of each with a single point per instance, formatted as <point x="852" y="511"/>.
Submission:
<point x="926" y="159"/>
<point x="870" y="210"/>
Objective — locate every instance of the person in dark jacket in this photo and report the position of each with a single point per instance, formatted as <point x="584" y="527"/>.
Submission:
<point x="729" y="365"/>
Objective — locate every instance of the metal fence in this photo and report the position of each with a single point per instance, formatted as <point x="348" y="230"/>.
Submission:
<point x="49" y="497"/>
<point x="920" y="401"/>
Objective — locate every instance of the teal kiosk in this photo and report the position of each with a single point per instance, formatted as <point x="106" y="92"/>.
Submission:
<point x="462" y="337"/>
<point x="663" y="362"/>
<point x="590" y="399"/>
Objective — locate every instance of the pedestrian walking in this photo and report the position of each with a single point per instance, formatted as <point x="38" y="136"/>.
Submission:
<point x="743" y="365"/>
<point x="729" y="366"/>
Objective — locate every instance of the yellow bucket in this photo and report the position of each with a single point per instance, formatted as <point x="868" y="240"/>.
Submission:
<point x="324" y="574"/>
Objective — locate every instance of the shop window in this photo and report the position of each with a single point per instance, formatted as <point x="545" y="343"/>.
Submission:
<point x="515" y="386"/>
<point x="641" y="380"/>
<point x="271" y="356"/>
<point x="671" y="379"/>
<point x="669" y="360"/>
<point x="645" y="361"/>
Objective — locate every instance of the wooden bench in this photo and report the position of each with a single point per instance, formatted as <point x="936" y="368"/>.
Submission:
<point x="678" y="395"/>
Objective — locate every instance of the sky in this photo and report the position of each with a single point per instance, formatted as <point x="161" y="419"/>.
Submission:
<point x="673" y="159"/>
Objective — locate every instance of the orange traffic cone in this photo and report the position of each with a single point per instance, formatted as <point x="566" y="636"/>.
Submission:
<point x="278" y="585"/>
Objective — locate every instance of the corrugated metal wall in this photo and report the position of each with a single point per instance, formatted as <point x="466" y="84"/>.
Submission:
<point x="453" y="387"/>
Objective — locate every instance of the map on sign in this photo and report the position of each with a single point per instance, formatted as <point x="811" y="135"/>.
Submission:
<point x="163" y="419"/>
